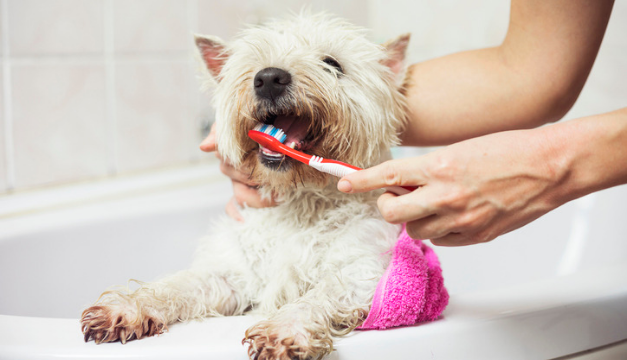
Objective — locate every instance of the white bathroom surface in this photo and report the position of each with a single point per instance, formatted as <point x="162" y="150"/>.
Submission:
<point x="536" y="321"/>
<point x="554" y="288"/>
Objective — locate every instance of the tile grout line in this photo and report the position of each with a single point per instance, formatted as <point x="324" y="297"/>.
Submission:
<point x="110" y="103"/>
<point x="192" y="12"/>
<point x="97" y="58"/>
<point x="7" y="99"/>
<point x="192" y="24"/>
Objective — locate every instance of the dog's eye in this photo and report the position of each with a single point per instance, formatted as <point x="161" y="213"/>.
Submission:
<point x="332" y="62"/>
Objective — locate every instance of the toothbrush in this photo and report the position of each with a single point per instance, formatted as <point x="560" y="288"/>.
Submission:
<point x="272" y="138"/>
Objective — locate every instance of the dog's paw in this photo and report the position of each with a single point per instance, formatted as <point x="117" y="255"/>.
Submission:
<point x="268" y="340"/>
<point x="108" y="323"/>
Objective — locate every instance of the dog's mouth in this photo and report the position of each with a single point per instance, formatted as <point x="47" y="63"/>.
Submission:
<point x="298" y="136"/>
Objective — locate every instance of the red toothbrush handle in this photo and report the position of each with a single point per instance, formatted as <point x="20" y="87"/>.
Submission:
<point x="273" y="144"/>
<point x="333" y="167"/>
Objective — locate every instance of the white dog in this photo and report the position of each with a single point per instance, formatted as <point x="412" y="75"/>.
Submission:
<point x="311" y="264"/>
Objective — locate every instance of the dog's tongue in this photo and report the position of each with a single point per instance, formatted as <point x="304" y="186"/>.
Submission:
<point x="294" y="127"/>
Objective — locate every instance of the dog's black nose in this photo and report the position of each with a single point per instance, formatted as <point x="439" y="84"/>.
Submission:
<point x="270" y="83"/>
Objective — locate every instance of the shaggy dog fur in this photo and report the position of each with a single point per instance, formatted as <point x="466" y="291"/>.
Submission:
<point x="311" y="264"/>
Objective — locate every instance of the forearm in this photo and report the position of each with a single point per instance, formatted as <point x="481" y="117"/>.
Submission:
<point x="532" y="78"/>
<point x="466" y="95"/>
<point x="590" y="153"/>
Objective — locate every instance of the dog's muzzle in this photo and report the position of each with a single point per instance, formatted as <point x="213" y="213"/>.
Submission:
<point x="297" y="137"/>
<point x="270" y="83"/>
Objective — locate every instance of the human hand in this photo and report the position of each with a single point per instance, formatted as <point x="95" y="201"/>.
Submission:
<point x="244" y="191"/>
<point x="470" y="192"/>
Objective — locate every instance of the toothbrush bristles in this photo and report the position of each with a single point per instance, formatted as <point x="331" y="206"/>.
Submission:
<point x="272" y="131"/>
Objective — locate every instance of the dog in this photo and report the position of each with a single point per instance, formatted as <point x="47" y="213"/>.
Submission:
<point x="309" y="265"/>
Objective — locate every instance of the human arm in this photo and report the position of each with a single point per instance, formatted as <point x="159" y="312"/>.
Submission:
<point x="532" y="78"/>
<point x="478" y="189"/>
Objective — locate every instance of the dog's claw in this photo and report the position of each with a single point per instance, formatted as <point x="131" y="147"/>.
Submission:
<point x="108" y="324"/>
<point x="97" y="337"/>
<point x="265" y="342"/>
<point x="123" y="336"/>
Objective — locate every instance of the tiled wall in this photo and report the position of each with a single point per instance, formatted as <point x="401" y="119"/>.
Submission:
<point x="440" y="27"/>
<point x="96" y="88"/>
<point x="606" y="88"/>
<point x="438" y="30"/>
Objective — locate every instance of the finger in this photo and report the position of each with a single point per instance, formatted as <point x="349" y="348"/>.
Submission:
<point x="232" y="210"/>
<point x="209" y="143"/>
<point x="236" y="174"/>
<point x="453" y="239"/>
<point x="248" y="196"/>
<point x="399" y="172"/>
<point x="410" y="207"/>
<point x="430" y="227"/>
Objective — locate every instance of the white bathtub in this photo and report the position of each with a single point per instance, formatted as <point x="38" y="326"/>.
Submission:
<point x="556" y="287"/>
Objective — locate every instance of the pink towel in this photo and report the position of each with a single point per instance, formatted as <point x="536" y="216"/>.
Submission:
<point x="411" y="289"/>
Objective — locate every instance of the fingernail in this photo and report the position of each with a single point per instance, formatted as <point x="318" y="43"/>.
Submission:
<point x="204" y="146"/>
<point x="344" y="186"/>
<point x="207" y="142"/>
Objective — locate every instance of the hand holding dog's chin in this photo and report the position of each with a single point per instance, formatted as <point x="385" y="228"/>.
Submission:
<point x="244" y="191"/>
<point x="470" y="192"/>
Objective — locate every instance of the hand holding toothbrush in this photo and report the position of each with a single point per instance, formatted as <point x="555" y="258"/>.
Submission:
<point x="472" y="191"/>
<point x="244" y="191"/>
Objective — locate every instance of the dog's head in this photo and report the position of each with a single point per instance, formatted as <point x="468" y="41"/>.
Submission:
<point x="334" y="93"/>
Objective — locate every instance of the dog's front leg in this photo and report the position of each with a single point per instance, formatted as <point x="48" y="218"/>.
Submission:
<point x="147" y="311"/>
<point x="304" y="329"/>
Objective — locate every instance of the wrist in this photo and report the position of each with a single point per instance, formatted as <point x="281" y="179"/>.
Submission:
<point x="549" y="164"/>
<point x="587" y="154"/>
<point x="558" y="158"/>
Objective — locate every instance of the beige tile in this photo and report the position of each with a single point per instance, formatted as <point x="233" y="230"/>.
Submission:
<point x="1" y="29"/>
<point x="153" y="121"/>
<point x="58" y="123"/>
<point x="605" y="89"/>
<point x="609" y="74"/>
<point x="224" y="18"/>
<point x="56" y="27"/>
<point x="435" y="29"/>
<point x="151" y="26"/>
<point x="617" y="27"/>
<point x="355" y="11"/>
<point x="201" y="111"/>
<point x="3" y="168"/>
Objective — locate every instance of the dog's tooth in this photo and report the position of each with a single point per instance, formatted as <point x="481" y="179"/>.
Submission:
<point x="292" y="145"/>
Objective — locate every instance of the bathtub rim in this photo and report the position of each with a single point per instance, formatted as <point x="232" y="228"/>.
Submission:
<point x="563" y="297"/>
<point x="509" y="323"/>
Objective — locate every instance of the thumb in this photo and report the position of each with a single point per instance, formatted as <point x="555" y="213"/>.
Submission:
<point x="401" y="172"/>
<point x="209" y="143"/>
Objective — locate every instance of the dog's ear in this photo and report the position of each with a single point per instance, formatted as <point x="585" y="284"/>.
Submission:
<point x="213" y="53"/>
<point x="396" y="49"/>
